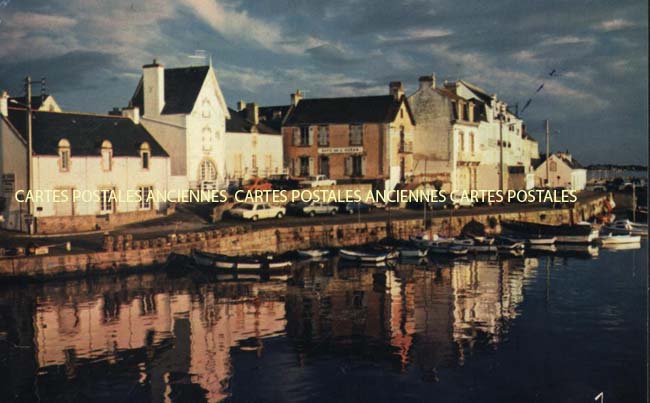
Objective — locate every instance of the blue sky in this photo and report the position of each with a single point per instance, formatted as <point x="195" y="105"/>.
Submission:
<point x="92" y="53"/>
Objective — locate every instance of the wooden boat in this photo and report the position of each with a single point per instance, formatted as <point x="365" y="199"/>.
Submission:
<point x="425" y="241"/>
<point x="622" y="246"/>
<point x="612" y="239"/>
<point x="313" y="253"/>
<point x="580" y="233"/>
<point x="242" y="263"/>
<point x="541" y="241"/>
<point x="406" y="249"/>
<point x="477" y="245"/>
<point x="368" y="255"/>
<point x="406" y="252"/>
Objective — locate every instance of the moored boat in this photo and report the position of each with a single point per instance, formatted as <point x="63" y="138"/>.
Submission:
<point x="313" y="253"/>
<point x="368" y="255"/>
<point x="612" y="239"/>
<point x="564" y="233"/>
<point x="449" y="249"/>
<point x="622" y="227"/>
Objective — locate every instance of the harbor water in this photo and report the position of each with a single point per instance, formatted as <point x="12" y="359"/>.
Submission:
<point x="559" y="327"/>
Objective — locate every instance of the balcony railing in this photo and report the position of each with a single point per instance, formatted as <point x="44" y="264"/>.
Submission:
<point x="405" y="147"/>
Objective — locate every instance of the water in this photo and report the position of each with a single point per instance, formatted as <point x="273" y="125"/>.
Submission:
<point x="543" y="329"/>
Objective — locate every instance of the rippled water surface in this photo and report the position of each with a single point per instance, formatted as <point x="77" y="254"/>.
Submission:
<point x="526" y="329"/>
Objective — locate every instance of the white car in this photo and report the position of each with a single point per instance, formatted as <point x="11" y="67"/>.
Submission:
<point x="257" y="211"/>
<point x="317" y="181"/>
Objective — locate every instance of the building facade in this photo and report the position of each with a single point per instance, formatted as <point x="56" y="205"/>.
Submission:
<point x="254" y="148"/>
<point x="186" y="112"/>
<point x="563" y="171"/>
<point x="353" y="140"/>
<point x="84" y="167"/>
<point x="468" y="139"/>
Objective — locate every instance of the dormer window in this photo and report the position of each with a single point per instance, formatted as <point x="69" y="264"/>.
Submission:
<point x="145" y="155"/>
<point x="64" y="155"/>
<point x="107" y="155"/>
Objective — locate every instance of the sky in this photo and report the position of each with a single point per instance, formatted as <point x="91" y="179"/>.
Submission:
<point x="92" y="52"/>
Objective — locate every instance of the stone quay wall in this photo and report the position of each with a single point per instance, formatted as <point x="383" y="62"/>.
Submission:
<point x="122" y="253"/>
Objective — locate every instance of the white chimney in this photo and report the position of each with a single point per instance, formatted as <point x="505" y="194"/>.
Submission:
<point x="295" y="98"/>
<point x="132" y="112"/>
<point x="4" y="103"/>
<point x="427" y="81"/>
<point x="396" y="89"/>
<point x="241" y="105"/>
<point x="153" y="87"/>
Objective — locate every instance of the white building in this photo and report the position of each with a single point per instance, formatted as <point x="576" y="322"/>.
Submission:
<point x="563" y="171"/>
<point x="80" y="154"/>
<point x="186" y="112"/>
<point x="468" y="139"/>
<point x="253" y="148"/>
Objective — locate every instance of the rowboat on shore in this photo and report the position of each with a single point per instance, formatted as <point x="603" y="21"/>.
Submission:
<point x="564" y="233"/>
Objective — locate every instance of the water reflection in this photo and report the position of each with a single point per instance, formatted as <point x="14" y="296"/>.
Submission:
<point x="152" y="338"/>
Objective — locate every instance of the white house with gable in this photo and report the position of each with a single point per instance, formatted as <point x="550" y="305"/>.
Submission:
<point x="184" y="109"/>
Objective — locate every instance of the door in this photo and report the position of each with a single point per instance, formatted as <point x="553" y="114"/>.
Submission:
<point x="65" y="208"/>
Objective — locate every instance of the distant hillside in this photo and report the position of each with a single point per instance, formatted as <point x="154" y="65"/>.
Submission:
<point x="616" y="167"/>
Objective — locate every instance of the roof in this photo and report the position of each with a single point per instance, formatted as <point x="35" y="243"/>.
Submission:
<point x="85" y="132"/>
<point x="37" y="100"/>
<point x="273" y="116"/>
<point x="369" y="109"/>
<point x="478" y="91"/>
<point x="182" y="86"/>
<point x="239" y="124"/>
<point x="571" y="163"/>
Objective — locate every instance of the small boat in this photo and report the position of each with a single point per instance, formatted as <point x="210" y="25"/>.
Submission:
<point x="313" y="253"/>
<point x="580" y="233"/>
<point x="406" y="249"/>
<point x="612" y="239"/>
<point x="425" y="240"/>
<point x="541" y="241"/>
<point x="449" y="249"/>
<point x="622" y="227"/>
<point x="406" y="252"/>
<point x="243" y="263"/>
<point x="622" y="246"/>
<point x="368" y="255"/>
<point x="509" y="244"/>
<point x="476" y="244"/>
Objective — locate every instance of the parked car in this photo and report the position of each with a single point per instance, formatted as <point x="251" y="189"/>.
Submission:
<point x="463" y="202"/>
<point x="596" y="187"/>
<point x="317" y="181"/>
<point x="256" y="211"/>
<point x="433" y="205"/>
<point x="283" y="182"/>
<point x="312" y="208"/>
<point x="258" y="184"/>
<point x="354" y="207"/>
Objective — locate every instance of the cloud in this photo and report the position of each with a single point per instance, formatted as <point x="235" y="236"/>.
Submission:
<point x="237" y="26"/>
<point x="614" y="25"/>
<point x="37" y="21"/>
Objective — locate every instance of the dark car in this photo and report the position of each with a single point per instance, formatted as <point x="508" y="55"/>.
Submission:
<point x="354" y="207"/>
<point x="432" y="205"/>
<point x="283" y="182"/>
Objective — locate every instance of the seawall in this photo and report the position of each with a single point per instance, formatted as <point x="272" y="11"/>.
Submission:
<point x="124" y="254"/>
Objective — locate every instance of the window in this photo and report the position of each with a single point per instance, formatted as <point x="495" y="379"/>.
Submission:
<point x="305" y="136"/>
<point x="465" y="112"/>
<point x="553" y="166"/>
<point x="64" y="155"/>
<point x="461" y="142"/>
<point x="106" y="201"/>
<point x="207" y="171"/>
<point x="304" y="166"/>
<point x="254" y="164"/>
<point x="356" y="135"/>
<point x="107" y="155"/>
<point x="357" y="165"/>
<point x="146" y="193"/>
<point x="454" y="110"/>
<point x="324" y="166"/>
<point x="268" y="164"/>
<point x="145" y="154"/>
<point x="238" y="165"/>
<point x="323" y="136"/>
<point x="471" y="142"/>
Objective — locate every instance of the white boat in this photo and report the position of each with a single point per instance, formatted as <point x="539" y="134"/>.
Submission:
<point x="626" y="227"/>
<point x="622" y="246"/>
<point x="477" y="245"/>
<point x="541" y="241"/>
<point x="368" y="256"/>
<point x="612" y="239"/>
<point x="425" y="240"/>
<point x="313" y="253"/>
<point x="543" y="248"/>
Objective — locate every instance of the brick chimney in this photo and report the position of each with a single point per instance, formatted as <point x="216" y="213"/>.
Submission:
<point x="4" y="103"/>
<point x="296" y="97"/>
<point x="396" y="89"/>
<point x="427" y="81"/>
<point x="153" y="87"/>
<point x="252" y="113"/>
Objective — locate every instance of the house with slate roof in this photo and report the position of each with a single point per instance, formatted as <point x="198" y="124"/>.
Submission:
<point x="80" y="162"/>
<point x="254" y="148"/>
<point x="563" y="171"/>
<point x="353" y="140"/>
<point x="462" y="131"/>
<point x="185" y="111"/>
